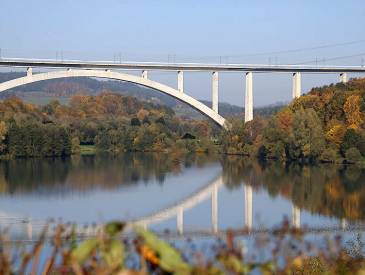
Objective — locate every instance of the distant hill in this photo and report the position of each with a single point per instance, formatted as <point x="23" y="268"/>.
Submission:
<point x="62" y="89"/>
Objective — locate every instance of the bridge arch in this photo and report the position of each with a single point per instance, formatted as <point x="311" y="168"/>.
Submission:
<point x="185" y="204"/>
<point x="197" y="105"/>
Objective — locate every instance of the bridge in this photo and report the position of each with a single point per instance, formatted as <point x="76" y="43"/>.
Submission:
<point x="111" y="70"/>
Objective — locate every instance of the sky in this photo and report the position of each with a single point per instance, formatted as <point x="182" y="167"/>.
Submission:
<point x="230" y="31"/>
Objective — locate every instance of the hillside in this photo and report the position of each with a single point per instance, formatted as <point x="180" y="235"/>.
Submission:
<point x="63" y="89"/>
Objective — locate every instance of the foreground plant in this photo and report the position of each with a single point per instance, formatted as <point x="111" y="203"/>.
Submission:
<point x="145" y="253"/>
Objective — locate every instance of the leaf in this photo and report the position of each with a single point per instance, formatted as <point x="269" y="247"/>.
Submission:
<point x="113" y="254"/>
<point x="170" y="259"/>
<point x="268" y="268"/>
<point x="83" y="250"/>
<point x="297" y="262"/>
<point x="232" y="263"/>
<point x="149" y="255"/>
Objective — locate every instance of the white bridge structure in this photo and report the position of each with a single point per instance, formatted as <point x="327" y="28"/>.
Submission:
<point x="177" y="210"/>
<point x="112" y="70"/>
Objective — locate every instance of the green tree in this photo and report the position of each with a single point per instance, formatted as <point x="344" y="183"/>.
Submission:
<point x="328" y="155"/>
<point x="135" y="122"/>
<point x="350" y="139"/>
<point x="353" y="155"/>
<point x="308" y="138"/>
<point x="275" y="141"/>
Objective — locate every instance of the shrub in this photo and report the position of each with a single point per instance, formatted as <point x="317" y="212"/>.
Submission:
<point x="135" y="122"/>
<point x="352" y="155"/>
<point x="75" y="145"/>
<point x="350" y="139"/>
<point x="328" y="155"/>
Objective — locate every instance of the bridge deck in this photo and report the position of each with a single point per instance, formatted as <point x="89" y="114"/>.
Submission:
<point x="48" y="63"/>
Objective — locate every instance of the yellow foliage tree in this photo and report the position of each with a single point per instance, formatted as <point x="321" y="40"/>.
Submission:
<point x="353" y="112"/>
<point x="285" y="119"/>
<point x="336" y="134"/>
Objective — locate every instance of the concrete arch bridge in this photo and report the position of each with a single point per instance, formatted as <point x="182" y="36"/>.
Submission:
<point x="76" y="68"/>
<point x="143" y="80"/>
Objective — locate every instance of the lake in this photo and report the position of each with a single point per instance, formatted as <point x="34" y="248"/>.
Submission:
<point x="184" y="193"/>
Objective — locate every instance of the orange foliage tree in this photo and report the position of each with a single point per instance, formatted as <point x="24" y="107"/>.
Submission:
<point x="353" y="112"/>
<point x="336" y="134"/>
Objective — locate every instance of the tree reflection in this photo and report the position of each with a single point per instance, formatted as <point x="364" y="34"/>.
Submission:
<point x="84" y="173"/>
<point x="331" y="190"/>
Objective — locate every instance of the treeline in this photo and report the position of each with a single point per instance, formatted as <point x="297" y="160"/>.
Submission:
<point x="35" y="139"/>
<point x="110" y="122"/>
<point x="327" y="125"/>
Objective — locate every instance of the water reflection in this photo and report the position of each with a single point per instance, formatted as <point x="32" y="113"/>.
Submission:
<point x="177" y="210"/>
<point x="85" y="173"/>
<point x="330" y="190"/>
<point x="168" y="189"/>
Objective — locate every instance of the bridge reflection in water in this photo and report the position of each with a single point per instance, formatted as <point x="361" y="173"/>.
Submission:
<point x="28" y="229"/>
<point x="210" y="190"/>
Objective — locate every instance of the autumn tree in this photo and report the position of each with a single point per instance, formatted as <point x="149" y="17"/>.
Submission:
<point x="275" y="140"/>
<point x="352" y="139"/>
<point x="308" y="140"/>
<point x="353" y="111"/>
<point x="335" y="134"/>
<point x="3" y="133"/>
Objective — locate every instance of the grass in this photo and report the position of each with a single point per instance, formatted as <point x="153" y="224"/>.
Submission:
<point x="87" y="149"/>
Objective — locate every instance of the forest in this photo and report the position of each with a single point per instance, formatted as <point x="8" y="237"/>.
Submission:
<point x="108" y="122"/>
<point x="326" y="124"/>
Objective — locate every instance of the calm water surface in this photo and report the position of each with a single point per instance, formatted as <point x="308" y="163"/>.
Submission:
<point x="167" y="191"/>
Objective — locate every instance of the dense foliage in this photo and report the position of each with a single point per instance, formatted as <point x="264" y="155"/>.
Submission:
<point x="326" y="124"/>
<point x="108" y="121"/>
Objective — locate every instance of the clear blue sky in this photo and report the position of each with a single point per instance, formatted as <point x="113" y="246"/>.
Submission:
<point x="191" y="31"/>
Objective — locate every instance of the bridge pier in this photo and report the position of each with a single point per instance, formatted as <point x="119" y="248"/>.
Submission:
<point x="145" y="74"/>
<point x="295" y="216"/>
<point x="248" y="98"/>
<point x="343" y="78"/>
<point x="248" y="206"/>
<point x="215" y="209"/>
<point x="215" y="96"/>
<point x="180" y="81"/>
<point x="343" y="224"/>
<point x="297" y="85"/>
<point x="29" y="71"/>
<point x="180" y="221"/>
<point x="29" y="229"/>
